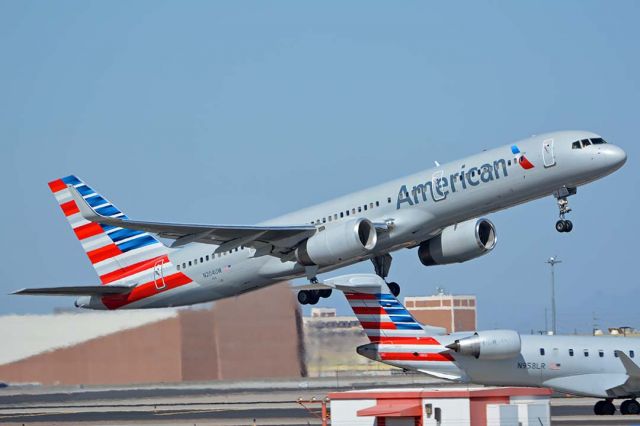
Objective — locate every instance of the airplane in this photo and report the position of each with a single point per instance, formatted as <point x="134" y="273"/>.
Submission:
<point x="591" y="366"/>
<point x="437" y="210"/>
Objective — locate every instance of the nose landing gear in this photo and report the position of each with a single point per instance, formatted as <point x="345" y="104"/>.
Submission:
<point x="564" y="225"/>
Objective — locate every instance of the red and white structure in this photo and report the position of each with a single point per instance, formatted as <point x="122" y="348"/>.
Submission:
<point x="453" y="406"/>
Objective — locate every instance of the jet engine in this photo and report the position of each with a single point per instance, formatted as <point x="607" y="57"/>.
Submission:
<point x="459" y="243"/>
<point x="494" y="344"/>
<point x="338" y="242"/>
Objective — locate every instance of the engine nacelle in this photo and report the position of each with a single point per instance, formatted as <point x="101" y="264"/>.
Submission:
<point x="338" y="242"/>
<point x="459" y="243"/>
<point x="494" y="344"/>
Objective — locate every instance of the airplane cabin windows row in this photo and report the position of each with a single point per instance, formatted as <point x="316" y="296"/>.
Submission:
<point x="586" y="353"/>
<point x="366" y="207"/>
<point x="586" y="142"/>
<point x="206" y="258"/>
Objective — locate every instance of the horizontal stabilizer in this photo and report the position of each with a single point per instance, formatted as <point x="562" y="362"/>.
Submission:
<point x="97" y="290"/>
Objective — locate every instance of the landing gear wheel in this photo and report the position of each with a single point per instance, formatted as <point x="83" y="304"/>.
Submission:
<point x="604" y="408"/>
<point x="325" y="293"/>
<point x="568" y="225"/>
<point x="561" y="226"/>
<point x="630" y="406"/>
<point x="394" y="288"/>
<point x="314" y="297"/>
<point x="303" y="297"/>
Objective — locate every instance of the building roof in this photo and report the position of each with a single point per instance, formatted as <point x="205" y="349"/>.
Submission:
<point x="23" y="336"/>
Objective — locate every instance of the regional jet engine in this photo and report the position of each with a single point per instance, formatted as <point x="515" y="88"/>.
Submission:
<point x="459" y="243"/>
<point x="494" y="344"/>
<point x="338" y="242"/>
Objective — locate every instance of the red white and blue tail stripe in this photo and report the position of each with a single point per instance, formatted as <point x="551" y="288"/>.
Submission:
<point x="118" y="255"/>
<point x="396" y="337"/>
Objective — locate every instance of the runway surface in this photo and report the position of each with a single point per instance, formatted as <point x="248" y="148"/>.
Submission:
<point x="238" y="403"/>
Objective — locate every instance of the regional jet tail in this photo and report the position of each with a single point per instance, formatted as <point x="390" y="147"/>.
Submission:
<point x="595" y="366"/>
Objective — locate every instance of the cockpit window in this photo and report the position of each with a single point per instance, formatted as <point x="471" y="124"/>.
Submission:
<point x="585" y="142"/>
<point x="598" y="141"/>
<point x="576" y="145"/>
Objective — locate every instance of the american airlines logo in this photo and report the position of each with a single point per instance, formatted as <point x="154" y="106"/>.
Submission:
<point x="440" y="186"/>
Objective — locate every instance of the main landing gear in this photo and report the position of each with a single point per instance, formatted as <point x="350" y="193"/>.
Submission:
<point x="564" y="225"/>
<point x="311" y="297"/>
<point x="382" y="264"/>
<point x="630" y="406"/>
<point x="606" y="407"/>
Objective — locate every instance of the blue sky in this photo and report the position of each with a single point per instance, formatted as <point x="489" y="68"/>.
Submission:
<point x="236" y="112"/>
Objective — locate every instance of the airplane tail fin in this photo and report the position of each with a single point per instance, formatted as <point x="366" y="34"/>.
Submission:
<point x="395" y="335"/>
<point x="117" y="254"/>
<point x="383" y="318"/>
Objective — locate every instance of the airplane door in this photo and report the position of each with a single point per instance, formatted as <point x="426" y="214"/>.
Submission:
<point x="548" y="156"/>
<point x="435" y="181"/>
<point x="158" y="275"/>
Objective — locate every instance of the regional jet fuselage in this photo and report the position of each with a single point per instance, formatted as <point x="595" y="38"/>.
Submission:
<point x="595" y="366"/>
<point x="437" y="210"/>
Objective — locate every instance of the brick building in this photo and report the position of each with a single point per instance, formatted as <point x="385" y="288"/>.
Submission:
<point x="455" y="313"/>
<point x="256" y="335"/>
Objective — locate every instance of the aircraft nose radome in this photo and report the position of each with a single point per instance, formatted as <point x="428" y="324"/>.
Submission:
<point x="615" y="155"/>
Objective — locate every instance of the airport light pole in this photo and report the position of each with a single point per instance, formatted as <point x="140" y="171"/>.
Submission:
<point x="552" y="261"/>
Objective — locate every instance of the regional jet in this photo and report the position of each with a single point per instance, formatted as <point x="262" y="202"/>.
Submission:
<point x="437" y="210"/>
<point x="593" y="366"/>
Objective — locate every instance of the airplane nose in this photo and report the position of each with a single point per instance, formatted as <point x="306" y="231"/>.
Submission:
<point x="614" y="156"/>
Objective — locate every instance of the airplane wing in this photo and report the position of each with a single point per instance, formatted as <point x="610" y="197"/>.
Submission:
<point x="96" y="290"/>
<point x="227" y="237"/>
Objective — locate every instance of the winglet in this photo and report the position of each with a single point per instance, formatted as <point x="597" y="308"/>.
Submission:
<point x="631" y="367"/>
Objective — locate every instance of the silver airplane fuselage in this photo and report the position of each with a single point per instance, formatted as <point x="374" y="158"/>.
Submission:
<point x="418" y="207"/>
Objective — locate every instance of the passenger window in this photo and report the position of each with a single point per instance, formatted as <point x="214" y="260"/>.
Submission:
<point x="576" y="145"/>
<point x="341" y="214"/>
<point x="324" y="220"/>
<point x="184" y="265"/>
<point x="601" y="353"/>
<point x="189" y="263"/>
<point x="585" y="142"/>
<point x="365" y="207"/>
<point x="178" y="266"/>
<point x="329" y="218"/>
<point x="347" y="212"/>
<point x="201" y="260"/>
<point x="353" y="211"/>
<point x="195" y="261"/>
<point x="542" y="351"/>
<point x="370" y="205"/>
<point x="631" y="354"/>
<point x="389" y="200"/>
<point x="509" y="162"/>
<point x="586" y="352"/>
<point x="207" y="258"/>
<point x="570" y="352"/>
<point x="377" y="204"/>
<point x="359" y="209"/>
